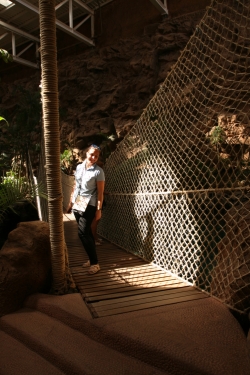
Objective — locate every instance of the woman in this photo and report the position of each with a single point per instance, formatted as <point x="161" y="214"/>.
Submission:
<point x="89" y="180"/>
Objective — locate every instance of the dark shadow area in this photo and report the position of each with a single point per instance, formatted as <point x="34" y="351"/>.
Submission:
<point x="243" y="320"/>
<point x="21" y="211"/>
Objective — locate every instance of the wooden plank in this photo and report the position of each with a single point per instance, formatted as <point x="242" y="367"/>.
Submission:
<point x="124" y="286"/>
<point x="126" y="282"/>
<point x="148" y="305"/>
<point x="111" y="263"/>
<point x="107" y="282"/>
<point x="148" y="298"/>
<point x="131" y="292"/>
<point x="104" y="293"/>
<point x="133" y="271"/>
<point x="109" y="278"/>
<point x="111" y="267"/>
<point x="143" y="296"/>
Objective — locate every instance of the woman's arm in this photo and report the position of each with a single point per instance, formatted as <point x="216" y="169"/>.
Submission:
<point x="100" y="190"/>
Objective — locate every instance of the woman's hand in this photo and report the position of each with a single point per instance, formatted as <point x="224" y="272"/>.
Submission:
<point x="98" y="215"/>
<point x="69" y="208"/>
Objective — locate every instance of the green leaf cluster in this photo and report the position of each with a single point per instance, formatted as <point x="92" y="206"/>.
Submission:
<point x="68" y="160"/>
<point x="14" y="189"/>
<point x="22" y="131"/>
<point x="218" y="136"/>
<point x="5" y="56"/>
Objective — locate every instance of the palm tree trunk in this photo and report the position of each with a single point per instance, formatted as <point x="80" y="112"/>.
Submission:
<point x="62" y="280"/>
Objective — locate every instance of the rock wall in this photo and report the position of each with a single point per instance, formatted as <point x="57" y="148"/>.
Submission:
<point x="231" y="276"/>
<point x="25" y="265"/>
<point x="103" y="90"/>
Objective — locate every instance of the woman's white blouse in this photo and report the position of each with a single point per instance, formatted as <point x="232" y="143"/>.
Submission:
<point x="86" y="181"/>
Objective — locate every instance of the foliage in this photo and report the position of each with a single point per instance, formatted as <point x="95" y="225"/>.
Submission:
<point x="4" y="159"/>
<point x="5" y="56"/>
<point x="3" y="119"/>
<point x="217" y="136"/>
<point x="68" y="160"/>
<point x="28" y="108"/>
<point x="22" y="131"/>
<point x="13" y="189"/>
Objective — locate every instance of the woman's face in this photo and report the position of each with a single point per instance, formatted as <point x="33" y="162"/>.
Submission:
<point x="92" y="156"/>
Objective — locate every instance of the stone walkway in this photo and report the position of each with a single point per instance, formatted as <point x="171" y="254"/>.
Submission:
<point x="58" y="335"/>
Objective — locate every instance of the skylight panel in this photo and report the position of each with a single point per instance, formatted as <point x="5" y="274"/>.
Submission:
<point x="5" y="3"/>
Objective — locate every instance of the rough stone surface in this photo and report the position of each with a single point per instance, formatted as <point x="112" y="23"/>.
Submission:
<point x="22" y="211"/>
<point x="103" y="91"/>
<point x="25" y="264"/>
<point x="191" y="338"/>
<point x="231" y="276"/>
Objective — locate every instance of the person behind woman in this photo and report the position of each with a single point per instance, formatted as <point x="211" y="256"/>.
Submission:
<point x="89" y="179"/>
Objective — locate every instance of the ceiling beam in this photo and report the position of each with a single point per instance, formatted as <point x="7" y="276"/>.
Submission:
<point x="74" y="33"/>
<point x="161" y="6"/>
<point x="17" y="31"/>
<point x="62" y="26"/>
<point x="3" y="35"/>
<point x="25" y="62"/>
<point x="17" y="58"/>
<point x="60" y="4"/>
<point x="84" y="7"/>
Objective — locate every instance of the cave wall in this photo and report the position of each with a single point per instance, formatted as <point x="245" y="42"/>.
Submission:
<point x="103" y="90"/>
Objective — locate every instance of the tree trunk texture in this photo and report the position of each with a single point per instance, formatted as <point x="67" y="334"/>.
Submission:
<point x="62" y="280"/>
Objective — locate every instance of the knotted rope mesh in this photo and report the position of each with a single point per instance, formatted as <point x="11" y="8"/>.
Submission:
<point x="178" y="184"/>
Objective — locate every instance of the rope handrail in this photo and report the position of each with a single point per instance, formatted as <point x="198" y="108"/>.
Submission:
<point x="181" y="191"/>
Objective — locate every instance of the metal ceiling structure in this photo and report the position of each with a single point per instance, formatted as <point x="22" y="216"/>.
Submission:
<point x="19" y="23"/>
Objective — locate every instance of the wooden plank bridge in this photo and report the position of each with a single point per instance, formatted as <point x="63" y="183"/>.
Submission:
<point x="125" y="282"/>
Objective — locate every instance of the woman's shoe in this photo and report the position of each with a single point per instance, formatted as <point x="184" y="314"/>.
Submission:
<point x="87" y="264"/>
<point x="94" y="269"/>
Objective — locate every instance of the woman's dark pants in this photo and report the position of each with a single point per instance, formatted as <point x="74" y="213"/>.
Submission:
<point x="85" y="234"/>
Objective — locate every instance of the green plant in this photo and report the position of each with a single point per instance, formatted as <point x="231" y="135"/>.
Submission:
<point x="21" y="134"/>
<point x="5" y="56"/>
<point x="68" y="160"/>
<point x="4" y="157"/>
<point x="10" y="178"/>
<point x="14" y="189"/>
<point x="217" y="135"/>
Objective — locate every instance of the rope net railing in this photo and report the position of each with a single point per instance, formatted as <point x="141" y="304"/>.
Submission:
<point x="178" y="185"/>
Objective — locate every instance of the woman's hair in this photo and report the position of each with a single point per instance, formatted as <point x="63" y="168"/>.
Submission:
<point x="94" y="147"/>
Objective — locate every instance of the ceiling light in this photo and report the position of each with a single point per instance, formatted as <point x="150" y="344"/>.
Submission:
<point x="5" y="3"/>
